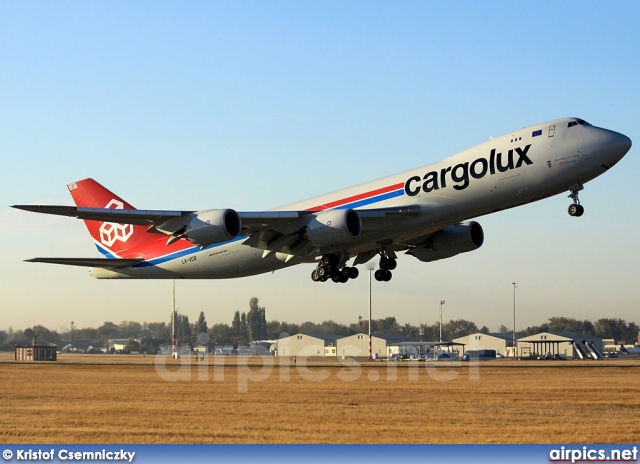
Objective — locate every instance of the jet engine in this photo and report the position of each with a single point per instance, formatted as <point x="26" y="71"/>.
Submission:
<point x="204" y="228"/>
<point x="448" y="242"/>
<point x="334" y="226"/>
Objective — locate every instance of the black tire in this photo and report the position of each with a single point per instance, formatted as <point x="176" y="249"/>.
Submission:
<point x="573" y="210"/>
<point x="379" y="275"/>
<point x="353" y="273"/>
<point x="336" y="278"/>
<point x="322" y="271"/>
<point x="392" y="264"/>
<point x="343" y="279"/>
<point x="387" y="275"/>
<point x="345" y="271"/>
<point x="326" y="260"/>
<point x="384" y="263"/>
<point x="314" y="275"/>
<point x="580" y="211"/>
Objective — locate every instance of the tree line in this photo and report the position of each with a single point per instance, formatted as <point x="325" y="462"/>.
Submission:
<point x="250" y="326"/>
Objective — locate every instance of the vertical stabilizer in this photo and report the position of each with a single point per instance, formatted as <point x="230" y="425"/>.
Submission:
<point x="112" y="239"/>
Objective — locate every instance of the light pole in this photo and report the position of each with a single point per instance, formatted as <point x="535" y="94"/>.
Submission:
<point x="71" y="336"/>
<point x="370" y="271"/>
<point x="441" y="303"/>
<point x="515" y="343"/>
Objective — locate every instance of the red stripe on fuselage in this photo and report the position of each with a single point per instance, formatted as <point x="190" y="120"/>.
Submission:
<point x="361" y="196"/>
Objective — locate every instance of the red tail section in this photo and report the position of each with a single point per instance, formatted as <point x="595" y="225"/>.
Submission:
<point x="114" y="240"/>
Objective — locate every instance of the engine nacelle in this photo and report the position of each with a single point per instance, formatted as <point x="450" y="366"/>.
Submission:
<point x="204" y="228"/>
<point x="334" y="226"/>
<point x="459" y="238"/>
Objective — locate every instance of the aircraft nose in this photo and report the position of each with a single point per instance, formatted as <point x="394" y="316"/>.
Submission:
<point x="622" y="144"/>
<point x="625" y="143"/>
<point x="617" y="144"/>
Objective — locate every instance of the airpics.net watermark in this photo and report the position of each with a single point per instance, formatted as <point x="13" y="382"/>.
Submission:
<point x="259" y="368"/>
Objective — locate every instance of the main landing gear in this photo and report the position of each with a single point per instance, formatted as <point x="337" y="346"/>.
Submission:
<point x="328" y="268"/>
<point x="386" y="266"/>
<point x="576" y="209"/>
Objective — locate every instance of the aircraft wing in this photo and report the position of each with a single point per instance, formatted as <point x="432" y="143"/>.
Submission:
<point x="272" y="231"/>
<point x="121" y="216"/>
<point x="285" y="231"/>
<point x="104" y="263"/>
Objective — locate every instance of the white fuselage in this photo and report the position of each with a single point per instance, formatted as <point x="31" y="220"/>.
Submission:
<point x="523" y="166"/>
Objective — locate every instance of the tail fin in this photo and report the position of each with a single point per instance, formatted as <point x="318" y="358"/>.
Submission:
<point x="112" y="239"/>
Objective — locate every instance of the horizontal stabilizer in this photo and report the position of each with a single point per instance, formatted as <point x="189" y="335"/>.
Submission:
<point x="103" y="263"/>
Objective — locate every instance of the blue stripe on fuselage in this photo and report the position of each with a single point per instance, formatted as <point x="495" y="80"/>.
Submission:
<point x="171" y="256"/>
<point x="369" y="201"/>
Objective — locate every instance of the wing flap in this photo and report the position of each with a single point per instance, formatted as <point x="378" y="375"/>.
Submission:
<point x="104" y="263"/>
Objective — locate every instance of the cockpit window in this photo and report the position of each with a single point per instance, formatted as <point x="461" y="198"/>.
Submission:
<point x="578" y="122"/>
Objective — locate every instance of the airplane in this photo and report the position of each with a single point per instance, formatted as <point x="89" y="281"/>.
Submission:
<point x="424" y="212"/>
<point x="629" y="350"/>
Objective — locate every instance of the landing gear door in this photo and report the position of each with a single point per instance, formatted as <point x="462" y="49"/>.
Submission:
<point x="552" y="130"/>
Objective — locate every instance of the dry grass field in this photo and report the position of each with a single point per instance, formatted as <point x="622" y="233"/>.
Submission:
<point x="132" y="399"/>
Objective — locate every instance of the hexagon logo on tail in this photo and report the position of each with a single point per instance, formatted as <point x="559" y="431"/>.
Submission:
<point x="110" y="232"/>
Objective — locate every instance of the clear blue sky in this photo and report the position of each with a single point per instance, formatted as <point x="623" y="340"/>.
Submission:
<point x="251" y="105"/>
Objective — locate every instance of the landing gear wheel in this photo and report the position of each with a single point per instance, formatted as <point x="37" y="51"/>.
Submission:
<point x="322" y="271"/>
<point x="336" y="278"/>
<point x="314" y="275"/>
<point x="329" y="260"/>
<point x="383" y="275"/>
<point x="576" y="210"/>
<point x="573" y="210"/>
<point x="353" y="273"/>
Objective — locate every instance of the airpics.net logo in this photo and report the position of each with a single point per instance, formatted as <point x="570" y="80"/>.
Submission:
<point x="110" y="232"/>
<point x="587" y="454"/>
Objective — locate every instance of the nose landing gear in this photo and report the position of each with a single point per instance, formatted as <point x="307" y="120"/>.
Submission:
<point x="576" y="209"/>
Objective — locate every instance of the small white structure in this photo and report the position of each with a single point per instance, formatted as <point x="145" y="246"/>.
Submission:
<point x="117" y="344"/>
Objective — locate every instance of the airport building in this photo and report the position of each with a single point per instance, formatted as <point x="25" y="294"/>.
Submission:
<point x="382" y="345"/>
<point x="36" y="353"/>
<point x="308" y="345"/>
<point x="561" y="344"/>
<point x="386" y="345"/>
<point x="502" y="343"/>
